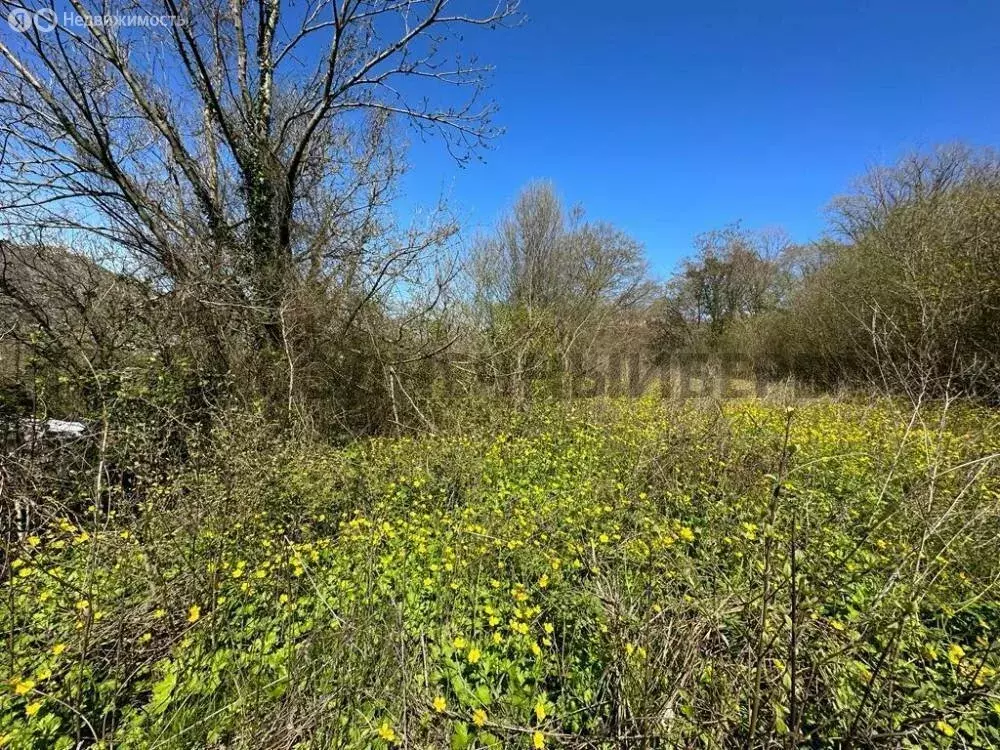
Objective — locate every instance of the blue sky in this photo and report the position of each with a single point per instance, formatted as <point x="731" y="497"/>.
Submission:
<point x="669" y="119"/>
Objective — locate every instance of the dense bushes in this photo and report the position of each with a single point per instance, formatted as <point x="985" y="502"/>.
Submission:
<point x="912" y="301"/>
<point x="905" y="300"/>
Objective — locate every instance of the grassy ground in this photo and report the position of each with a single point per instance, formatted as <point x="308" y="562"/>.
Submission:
<point x="616" y="574"/>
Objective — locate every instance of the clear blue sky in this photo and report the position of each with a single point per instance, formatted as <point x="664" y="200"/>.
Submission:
<point x="669" y="119"/>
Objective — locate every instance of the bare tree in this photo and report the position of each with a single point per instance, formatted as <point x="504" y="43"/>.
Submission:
<point x="735" y="274"/>
<point x="919" y="178"/>
<point x="549" y="287"/>
<point x="242" y="144"/>
<point x="240" y="156"/>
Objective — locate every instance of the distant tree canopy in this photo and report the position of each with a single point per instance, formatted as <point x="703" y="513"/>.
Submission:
<point x="550" y="290"/>
<point x="911" y="299"/>
<point x="735" y="274"/>
<point x="906" y="294"/>
<point x="238" y="245"/>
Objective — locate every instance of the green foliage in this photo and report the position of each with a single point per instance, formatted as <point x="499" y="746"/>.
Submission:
<point x="910" y="301"/>
<point x="606" y="574"/>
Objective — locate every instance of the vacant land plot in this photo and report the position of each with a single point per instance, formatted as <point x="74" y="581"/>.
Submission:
<point x="610" y="574"/>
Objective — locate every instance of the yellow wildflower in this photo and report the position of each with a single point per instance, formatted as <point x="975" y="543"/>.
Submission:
<point x="32" y="708"/>
<point x="194" y="613"/>
<point x="519" y="627"/>
<point x="538" y="740"/>
<point x="945" y="728"/>
<point x="473" y="655"/>
<point x="540" y="710"/>
<point x="386" y="732"/>
<point x="22" y="687"/>
<point x="479" y="717"/>
<point x="440" y="705"/>
<point x="58" y="648"/>
<point x="955" y="653"/>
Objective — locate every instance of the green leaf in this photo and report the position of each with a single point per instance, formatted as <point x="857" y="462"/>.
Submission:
<point x="161" y="693"/>
<point x="483" y="694"/>
<point x="460" y="738"/>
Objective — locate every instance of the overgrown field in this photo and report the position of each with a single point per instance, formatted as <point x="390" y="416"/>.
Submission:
<point x="612" y="574"/>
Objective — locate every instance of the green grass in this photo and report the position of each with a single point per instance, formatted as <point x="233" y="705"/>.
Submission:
<point x="614" y="574"/>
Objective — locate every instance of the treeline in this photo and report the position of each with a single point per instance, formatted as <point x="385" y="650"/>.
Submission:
<point x="903" y="296"/>
<point x="216" y="227"/>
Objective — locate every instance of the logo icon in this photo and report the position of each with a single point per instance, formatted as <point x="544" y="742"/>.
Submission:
<point x="45" y="20"/>
<point x="20" y="19"/>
